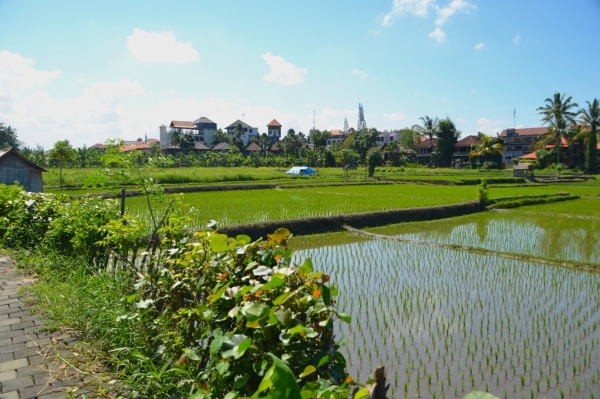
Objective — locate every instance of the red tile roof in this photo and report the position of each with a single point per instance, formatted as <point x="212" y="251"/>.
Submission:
<point x="426" y="143"/>
<point x="274" y="123"/>
<point x="530" y="131"/>
<point x="531" y="155"/>
<point x="98" y="147"/>
<point x="468" y="141"/>
<point x="337" y="132"/>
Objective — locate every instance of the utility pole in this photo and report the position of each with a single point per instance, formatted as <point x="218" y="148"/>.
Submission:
<point x="514" y="118"/>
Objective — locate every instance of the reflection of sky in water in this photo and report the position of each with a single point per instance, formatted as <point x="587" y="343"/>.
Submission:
<point x="519" y="236"/>
<point x="417" y="308"/>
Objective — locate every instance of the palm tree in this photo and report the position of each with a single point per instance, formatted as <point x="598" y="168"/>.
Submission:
<point x="557" y="113"/>
<point x="590" y="118"/>
<point x="429" y="128"/>
<point x="487" y="147"/>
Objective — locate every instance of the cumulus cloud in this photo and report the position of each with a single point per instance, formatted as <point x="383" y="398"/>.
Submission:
<point x="421" y="8"/>
<point x="17" y="75"/>
<point x="396" y="116"/>
<point x="400" y="7"/>
<point x="479" y="46"/>
<point x="359" y="73"/>
<point x="444" y="13"/>
<point x="160" y="47"/>
<point x="438" y="34"/>
<point x="491" y="127"/>
<point x="281" y="71"/>
<point x="517" y="39"/>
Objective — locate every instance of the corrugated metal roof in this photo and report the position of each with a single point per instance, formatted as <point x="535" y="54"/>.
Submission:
<point x="4" y="152"/>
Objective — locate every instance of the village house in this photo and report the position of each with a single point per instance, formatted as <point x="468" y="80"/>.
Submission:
<point x="463" y="148"/>
<point x="248" y="134"/>
<point x="202" y="129"/>
<point x="518" y="142"/>
<point x="14" y="167"/>
<point x="274" y="131"/>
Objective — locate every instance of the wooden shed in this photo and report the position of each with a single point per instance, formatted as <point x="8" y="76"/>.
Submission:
<point x="521" y="170"/>
<point x="14" y="167"/>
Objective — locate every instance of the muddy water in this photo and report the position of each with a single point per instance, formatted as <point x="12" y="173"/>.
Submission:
<point x="569" y="239"/>
<point x="448" y="322"/>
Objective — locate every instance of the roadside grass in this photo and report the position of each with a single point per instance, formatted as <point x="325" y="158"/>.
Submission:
<point x="75" y="298"/>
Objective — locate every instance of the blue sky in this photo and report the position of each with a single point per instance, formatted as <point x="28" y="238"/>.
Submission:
<point x="90" y="71"/>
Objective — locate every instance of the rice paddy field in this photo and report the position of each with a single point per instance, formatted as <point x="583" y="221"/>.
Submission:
<point x="236" y="207"/>
<point x="446" y="322"/>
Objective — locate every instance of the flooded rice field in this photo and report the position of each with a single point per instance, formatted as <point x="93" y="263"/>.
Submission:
<point x="446" y="322"/>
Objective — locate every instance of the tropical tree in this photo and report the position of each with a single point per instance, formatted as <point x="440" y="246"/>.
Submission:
<point x="488" y="148"/>
<point x="429" y="127"/>
<point x="408" y="138"/>
<point x="362" y="124"/>
<point x="62" y="152"/>
<point x="557" y="113"/>
<point x="220" y="137"/>
<point x="364" y="140"/>
<point x="590" y="118"/>
<point x="8" y="136"/>
<point x="346" y="128"/>
<point x="447" y="138"/>
<point x="374" y="159"/>
<point x="344" y="157"/>
<point x="319" y="138"/>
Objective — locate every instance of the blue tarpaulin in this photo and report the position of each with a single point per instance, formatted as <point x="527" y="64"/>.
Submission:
<point x="301" y="170"/>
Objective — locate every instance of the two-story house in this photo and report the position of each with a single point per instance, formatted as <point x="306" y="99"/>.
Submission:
<point x="518" y="142"/>
<point x="202" y="129"/>
<point x="249" y="132"/>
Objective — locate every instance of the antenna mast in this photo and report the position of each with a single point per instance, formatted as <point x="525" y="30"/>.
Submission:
<point x="514" y="118"/>
<point x="313" y="119"/>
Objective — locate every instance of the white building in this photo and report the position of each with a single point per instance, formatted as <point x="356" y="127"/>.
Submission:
<point x="249" y="132"/>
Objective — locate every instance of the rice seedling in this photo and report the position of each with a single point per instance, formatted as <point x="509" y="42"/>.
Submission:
<point x="438" y="310"/>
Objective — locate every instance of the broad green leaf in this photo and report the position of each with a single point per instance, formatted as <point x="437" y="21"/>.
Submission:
<point x="231" y="395"/>
<point x="306" y="268"/>
<point x="217" y="343"/>
<point x="363" y="393"/>
<point x="218" y="242"/>
<point x="295" y="330"/>
<point x="190" y="354"/>
<point x="241" y="381"/>
<point x="280" y="234"/>
<point x="222" y="367"/>
<point x="480" y="395"/>
<point x="308" y="370"/>
<point x="235" y="340"/>
<point x="266" y="382"/>
<point x="244" y="345"/>
<point x="284" y="316"/>
<point x="324" y="360"/>
<point x="344" y="317"/>
<point x="219" y="293"/>
<point x="256" y="312"/>
<point x="284" y="381"/>
<point x="275" y="282"/>
<point x="243" y="239"/>
<point x="281" y="298"/>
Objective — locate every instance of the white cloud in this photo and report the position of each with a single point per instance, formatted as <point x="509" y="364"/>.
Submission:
<point x="358" y="72"/>
<point x="438" y="34"/>
<point x="479" y="46"/>
<point x="17" y="76"/>
<point x="491" y="127"/>
<point x="444" y="100"/>
<point x="517" y="39"/>
<point x="396" y="116"/>
<point x="444" y="13"/>
<point x="160" y="47"/>
<point x="416" y="7"/>
<point x="281" y="71"/>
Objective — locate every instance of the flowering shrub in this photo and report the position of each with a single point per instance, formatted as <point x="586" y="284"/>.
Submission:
<point x="222" y="310"/>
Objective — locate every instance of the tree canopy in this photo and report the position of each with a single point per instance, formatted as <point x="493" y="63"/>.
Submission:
<point x="8" y="136"/>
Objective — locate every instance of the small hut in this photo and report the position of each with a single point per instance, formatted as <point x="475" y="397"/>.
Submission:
<point x="253" y="147"/>
<point x="14" y="167"/>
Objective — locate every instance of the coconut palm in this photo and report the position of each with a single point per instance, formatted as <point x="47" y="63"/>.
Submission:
<point x="487" y="147"/>
<point x="429" y="128"/>
<point x="590" y="118"/>
<point x="557" y="113"/>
